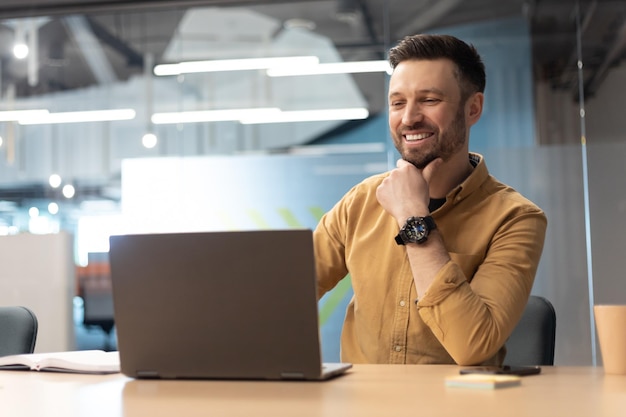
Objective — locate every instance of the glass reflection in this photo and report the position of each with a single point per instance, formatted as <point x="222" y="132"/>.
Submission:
<point x="556" y="76"/>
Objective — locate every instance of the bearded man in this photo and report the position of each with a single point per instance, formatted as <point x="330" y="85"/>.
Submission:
<point x="441" y="255"/>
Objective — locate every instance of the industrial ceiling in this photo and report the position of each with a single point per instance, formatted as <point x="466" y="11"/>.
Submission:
<point x="359" y="29"/>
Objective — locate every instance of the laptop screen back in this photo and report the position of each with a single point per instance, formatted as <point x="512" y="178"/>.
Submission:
<point x="238" y="305"/>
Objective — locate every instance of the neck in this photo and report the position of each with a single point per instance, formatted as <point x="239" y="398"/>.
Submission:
<point x="449" y="175"/>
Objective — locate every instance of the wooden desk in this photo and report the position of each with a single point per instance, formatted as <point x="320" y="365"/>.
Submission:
<point x="367" y="390"/>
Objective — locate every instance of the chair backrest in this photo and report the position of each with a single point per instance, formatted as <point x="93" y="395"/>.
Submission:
<point x="533" y="339"/>
<point x="18" y="330"/>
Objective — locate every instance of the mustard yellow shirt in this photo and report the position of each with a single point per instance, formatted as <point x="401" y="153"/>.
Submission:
<point x="494" y="237"/>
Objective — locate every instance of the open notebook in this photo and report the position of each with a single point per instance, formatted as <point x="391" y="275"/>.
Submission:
<point x="79" y="361"/>
<point x="224" y="305"/>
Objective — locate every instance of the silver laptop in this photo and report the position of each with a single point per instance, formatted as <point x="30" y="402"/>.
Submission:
<point x="218" y="305"/>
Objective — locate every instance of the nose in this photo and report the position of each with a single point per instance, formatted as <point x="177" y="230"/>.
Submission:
<point x="412" y="114"/>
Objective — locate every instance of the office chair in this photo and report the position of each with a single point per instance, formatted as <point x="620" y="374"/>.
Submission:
<point x="533" y="339"/>
<point x="18" y="330"/>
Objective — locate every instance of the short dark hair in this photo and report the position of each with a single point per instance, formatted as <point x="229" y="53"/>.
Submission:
<point x="470" y="67"/>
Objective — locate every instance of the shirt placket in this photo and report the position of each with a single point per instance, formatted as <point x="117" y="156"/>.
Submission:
<point x="398" y="347"/>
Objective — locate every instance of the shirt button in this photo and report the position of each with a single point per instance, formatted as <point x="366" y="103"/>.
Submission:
<point x="398" y="348"/>
<point x="402" y="303"/>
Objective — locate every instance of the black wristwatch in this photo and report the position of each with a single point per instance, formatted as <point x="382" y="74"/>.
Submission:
<point x="415" y="230"/>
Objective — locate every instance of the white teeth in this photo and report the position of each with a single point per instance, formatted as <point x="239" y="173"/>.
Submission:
<point x="417" y="137"/>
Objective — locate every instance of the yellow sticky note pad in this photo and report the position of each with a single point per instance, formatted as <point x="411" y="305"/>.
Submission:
<point x="483" y="381"/>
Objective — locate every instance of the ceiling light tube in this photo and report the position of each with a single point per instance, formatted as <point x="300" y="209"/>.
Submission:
<point x="213" y="115"/>
<point x="357" y="113"/>
<point x="15" y="115"/>
<point x="232" y="65"/>
<point x="331" y="68"/>
<point x="80" y="117"/>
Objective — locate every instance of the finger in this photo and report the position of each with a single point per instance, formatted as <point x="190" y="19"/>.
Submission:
<point x="402" y="163"/>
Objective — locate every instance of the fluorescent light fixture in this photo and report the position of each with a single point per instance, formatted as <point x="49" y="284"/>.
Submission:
<point x="79" y="117"/>
<point x="213" y="115"/>
<point x="15" y="115"/>
<point x="233" y="65"/>
<point x="357" y="113"/>
<point x="259" y="115"/>
<point x="331" y="68"/>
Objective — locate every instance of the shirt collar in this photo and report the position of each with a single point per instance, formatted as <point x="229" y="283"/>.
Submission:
<point x="472" y="182"/>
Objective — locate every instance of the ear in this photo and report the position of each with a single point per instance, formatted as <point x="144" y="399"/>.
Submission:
<point x="474" y="107"/>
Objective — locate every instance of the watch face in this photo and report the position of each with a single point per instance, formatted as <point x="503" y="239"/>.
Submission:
<point x="416" y="230"/>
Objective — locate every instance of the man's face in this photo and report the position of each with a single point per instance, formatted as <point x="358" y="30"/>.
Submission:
<point x="426" y="117"/>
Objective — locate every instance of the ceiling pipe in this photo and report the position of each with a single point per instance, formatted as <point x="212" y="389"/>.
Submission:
<point x="91" y="49"/>
<point x="615" y="53"/>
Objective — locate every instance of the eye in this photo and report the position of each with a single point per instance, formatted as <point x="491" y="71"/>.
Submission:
<point x="431" y="100"/>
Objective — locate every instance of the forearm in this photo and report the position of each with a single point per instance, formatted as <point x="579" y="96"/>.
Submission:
<point x="471" y="329"/>
<point x="468" y="337"/>
<point x="474" y="301"/>
<point x="426" y="261"/>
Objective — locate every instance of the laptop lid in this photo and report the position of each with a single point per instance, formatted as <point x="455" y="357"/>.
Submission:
<point x="224" y="305"/>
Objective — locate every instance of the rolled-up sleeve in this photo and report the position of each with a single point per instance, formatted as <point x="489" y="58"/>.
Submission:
<point x="472" y="316"/>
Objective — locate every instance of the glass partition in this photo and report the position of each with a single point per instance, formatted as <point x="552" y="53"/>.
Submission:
<point x="602" y="88"/>
<point x="247" y="115"/>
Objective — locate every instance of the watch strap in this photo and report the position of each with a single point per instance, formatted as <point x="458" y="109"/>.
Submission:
<point x="430" y="222"/>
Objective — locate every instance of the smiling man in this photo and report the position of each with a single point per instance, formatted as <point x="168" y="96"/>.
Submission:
<point x="442" y="256"/>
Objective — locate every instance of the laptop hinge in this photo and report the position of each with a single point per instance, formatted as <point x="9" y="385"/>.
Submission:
<point x="292" y="375"/>
<point x="147" y="374"/>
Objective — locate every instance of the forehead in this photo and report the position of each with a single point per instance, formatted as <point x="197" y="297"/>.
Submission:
<point x="424" y="75"/>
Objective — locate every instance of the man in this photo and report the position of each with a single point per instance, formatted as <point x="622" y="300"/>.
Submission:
<point x="441" y="255"/>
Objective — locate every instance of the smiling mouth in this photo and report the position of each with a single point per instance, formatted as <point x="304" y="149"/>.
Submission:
<point x="418" y="136"/>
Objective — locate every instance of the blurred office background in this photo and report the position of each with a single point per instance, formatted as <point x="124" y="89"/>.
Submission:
<point x="112" y="121"/>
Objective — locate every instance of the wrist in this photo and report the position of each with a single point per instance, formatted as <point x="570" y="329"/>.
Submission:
<point x="420" y="212"/>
